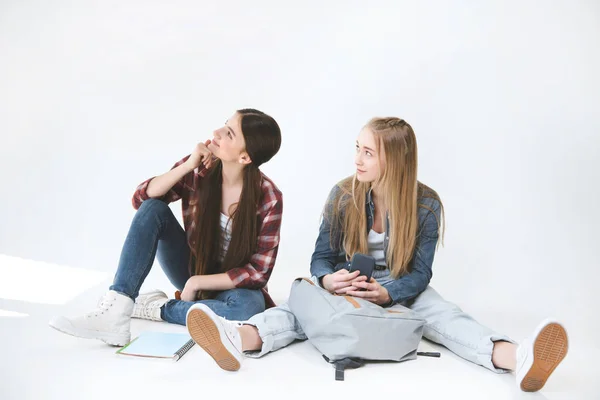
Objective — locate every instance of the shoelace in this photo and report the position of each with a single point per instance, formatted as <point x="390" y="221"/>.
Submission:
<point x="144" y="309"/>
<point x="103" y="305"/>
<point x="148" y="311"/>
<point x="232" y="331"/>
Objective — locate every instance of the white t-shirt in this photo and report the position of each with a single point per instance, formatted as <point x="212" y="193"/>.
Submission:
<point x="225" y="235"/>
<point x="375" y="241"/>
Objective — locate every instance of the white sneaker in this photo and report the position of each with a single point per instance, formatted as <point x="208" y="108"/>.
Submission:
<point x="219" y="337"/>
<point x="540" y="354"/>
<point x="147" y="305"/>
<point x="109" y="322"/>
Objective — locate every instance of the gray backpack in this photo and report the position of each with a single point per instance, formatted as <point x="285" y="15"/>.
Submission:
<point x="348" y="330"/>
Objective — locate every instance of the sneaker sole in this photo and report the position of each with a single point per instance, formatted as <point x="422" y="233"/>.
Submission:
<point x="549" y="349"/>
<point x="113" y="339"/>
<point x="206" y="334"/>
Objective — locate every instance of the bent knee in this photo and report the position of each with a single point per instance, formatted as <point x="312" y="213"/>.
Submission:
<point x="153" y="207"/>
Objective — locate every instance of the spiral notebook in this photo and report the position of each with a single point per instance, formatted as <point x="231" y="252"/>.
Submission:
<point x="159" y="345"/>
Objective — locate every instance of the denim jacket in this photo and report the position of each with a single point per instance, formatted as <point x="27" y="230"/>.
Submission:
<point x="326" y="260"/>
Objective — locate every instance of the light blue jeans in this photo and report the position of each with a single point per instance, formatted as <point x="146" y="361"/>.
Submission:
<point x="446" y="324"/>
<point x="155" y="232"/>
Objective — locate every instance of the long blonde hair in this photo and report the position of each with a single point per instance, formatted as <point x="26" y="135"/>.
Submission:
<point x="396" y="140"/>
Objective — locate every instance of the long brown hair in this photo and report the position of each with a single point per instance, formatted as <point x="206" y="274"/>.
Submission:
<point x="401" y="193"/>
<point x="263" y="139"/>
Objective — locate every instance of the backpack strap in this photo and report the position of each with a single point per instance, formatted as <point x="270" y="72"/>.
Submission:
<point x="343" y="364"/>
<point x="350" y="363"/>
<point x="429" y="353"/>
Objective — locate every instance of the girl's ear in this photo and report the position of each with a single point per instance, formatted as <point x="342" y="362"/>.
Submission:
<point x="244" y="158"/>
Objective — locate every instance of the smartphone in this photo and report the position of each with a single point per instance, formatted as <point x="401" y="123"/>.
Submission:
<point x="363" y="263"/>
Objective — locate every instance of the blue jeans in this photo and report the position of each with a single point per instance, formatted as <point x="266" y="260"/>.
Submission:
<point x="155" y="232"/>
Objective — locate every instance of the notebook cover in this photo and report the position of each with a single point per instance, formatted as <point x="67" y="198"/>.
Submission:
<point x="156" y="344"/>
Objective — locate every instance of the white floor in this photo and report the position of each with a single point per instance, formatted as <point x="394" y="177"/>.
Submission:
<point x="37" y="362"/>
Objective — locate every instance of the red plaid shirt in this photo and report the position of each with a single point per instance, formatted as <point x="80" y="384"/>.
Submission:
<point x="256" y="273"/>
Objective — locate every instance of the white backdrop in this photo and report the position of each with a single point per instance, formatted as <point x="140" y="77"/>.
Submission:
<point x="97" y="96"/>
